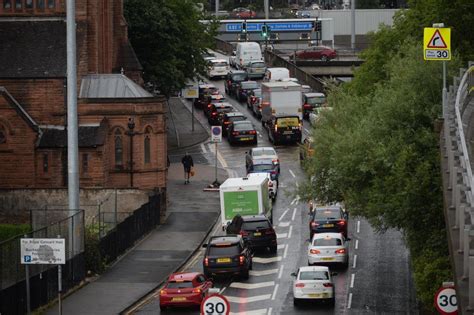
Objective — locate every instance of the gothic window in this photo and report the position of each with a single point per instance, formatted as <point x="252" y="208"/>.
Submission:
<point x="118" y="148"/>
<point x="51" y="4"/>
<point x="18" y="4"/>
<point x="40" y="4"/>
<point x="3" y="135"/>
<point x="29" y="4"/>
<point x="147" y="150"/>
<point x="7" y="4"/>
<point x="45" y="163"/>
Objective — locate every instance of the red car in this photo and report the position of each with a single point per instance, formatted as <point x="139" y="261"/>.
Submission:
<point x="184" y="289"/>
<point x="243" y="13"/>
<point x="317" y="52"/>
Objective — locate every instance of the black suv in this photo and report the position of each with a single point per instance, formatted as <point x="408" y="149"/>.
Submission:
<point x="256" y="230"/>
<point x="228" y="119"/>
<point x="204" y="91"/>
<point x="328" y="219"/>
<point x="216" y="112"/>
<point x="232" y="79"/>
<point x="227" y="255"/>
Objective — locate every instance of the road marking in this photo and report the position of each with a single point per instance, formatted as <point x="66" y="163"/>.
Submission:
<point x="289" y="232"/>
<point x="297" y="200"/>
<point x="222" y="290"/>
<point x="293" y="201"/>
<point x="349" y="303"/>
<point x="281" y="271"/>
<point x="261" y="311"/>
<point x="269" y="311"/>
<point x="292" y="174"/>
<point x="282" y="235"/>
<point x="281" y="246"/>
<point x="262" y="272"/>
<point x="307" y="131"/>
<point x="283" y="214"/>
<point x="355" y="261"/>
<point x="221" y="159"/>
<point x="352" y="279"/>
<point x="245" y="300"/>
<point x="270" y="260"/>
<point x="294" y="214"/>
<point x="203" y="148"/>
<point x="260" y="135"/>
<point x="357" y="244"/>
<point x="358" y="226"/>
<point x="275" y="292"/>
<point x="284" y="224"/>
<point x="286" y="251"/>
<point x="297" y="185"/>
<point x="250" y="286"/>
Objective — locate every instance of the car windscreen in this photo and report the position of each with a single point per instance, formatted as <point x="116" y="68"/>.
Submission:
<point x="179" y="284"/>
<point x="323" y="214"/>
<point x="257" y="65"/>
<point x="261" y="152"/>
<point x="288" y="122"/>
<point x="242" y="127"/>
<point x="231" y="250"/>
<point x="239" y="77"/>
<point x="237" y="118"/>
<point x="316" y="100"/>
<point x="314" y="275"/>
<point x="219" y="64"/>
<point x="249" y="85"/>
<point x="217" y="100"/>
<point x="223" y="109"/>
<point x="254" y="225"/>
<point x="257" y="92"/>
<point x="327" y="241"/>
<point x="263" y="168"/>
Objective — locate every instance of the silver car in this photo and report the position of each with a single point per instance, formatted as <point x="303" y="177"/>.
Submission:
<point x="256" y="69"/>
<point x="328" y="248"/>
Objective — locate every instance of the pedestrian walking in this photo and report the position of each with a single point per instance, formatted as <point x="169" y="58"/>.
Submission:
<point x="188" y="163"/>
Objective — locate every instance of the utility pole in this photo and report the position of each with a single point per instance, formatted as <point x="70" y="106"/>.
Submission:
<point x="353" y="24"/>
<point x="217" y="7"/>
<point x="266" y="4"/>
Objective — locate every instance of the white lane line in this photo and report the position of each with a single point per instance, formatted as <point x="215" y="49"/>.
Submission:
<point x="281" y="271"/>
<point x="293" y="201"/>
<point x="250" y="286"/>
<point x="245" y="300"/>
<point x="289" y="232"/>
<point x="355" y="261"/>
<point x="203" y="148"/>
<point x="283" y="214"/>
<point x="297" y="185"/>
<point x="260" y="135"/>
<point x="306" y="130"/>
<point x="284" y="224"/>
<point x="261" y="311"/>
<point x="222" y="290"/>
<point x="352" y="279"/>
<point x="281" y="246"/>
<point x="275" y="292"/>
<point x="221" y="159"/>
<point x="269" y="311"/>
<point x="262" y="272"/>
<point x="282" y="235"/>
<point x="297" y="200"/>
<point x="292" y="174"/>
<point x="357" y="244"/>
<point x="358" y="226"/>
<point x="349" y="303"/>
<point x="294" y="215"/>
<point x="261" y="260"/>
<point x="286" y="251"/>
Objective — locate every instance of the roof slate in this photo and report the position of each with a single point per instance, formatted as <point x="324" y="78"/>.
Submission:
<point x="88" y="137"/>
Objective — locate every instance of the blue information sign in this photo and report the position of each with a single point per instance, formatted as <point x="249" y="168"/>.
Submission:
<point x="274" y="26"/>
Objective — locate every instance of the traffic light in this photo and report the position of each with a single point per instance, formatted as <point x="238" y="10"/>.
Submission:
<point x="264" y="31"/>
<point x="244" y="27"/>
<point x="317" y="26"/>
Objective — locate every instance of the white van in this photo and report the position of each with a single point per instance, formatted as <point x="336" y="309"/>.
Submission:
<point x="276" y="74"/>
<point x="247" y="52"/>
<point x="218" y="68"/>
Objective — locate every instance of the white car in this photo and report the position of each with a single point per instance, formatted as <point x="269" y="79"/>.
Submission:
<point x="261" y="153"/>
<point x="328" y="248"/>
<point x="272" y="184"/>
<point x="218" y="68"/>
<point x="313" y="283"/>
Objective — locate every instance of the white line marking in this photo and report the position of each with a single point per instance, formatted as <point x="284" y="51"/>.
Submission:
<point x="270" y="260"/>
<point x="282" y="235"/>
<point x="307" y="131"/>
<point x="352" y="279"/>
<point x="358" y="226"/>
<point x="211" y="147"/>
<point x="203" y="148"/>
<point x="243" y="300"/>
<point x="262" y="311"/>
<point x="357" y="244"/>
<point x="297" y="185"/>
<point x="349" y="303"/>
<point x="275" y="292"/>
<point x="221" y="159"/>
<point x="222" y="290"/>
<point x="250" y="286"/>
<point x="355" y="261"/>
<point x="262" y="272"/>
<point x="289" y="232"/>
<point x="283" y="214"/>
<point x="292" y="174"/>
<point x="281" y="271"/>
<point x="294" y="215"/>
<point x="286" y="251"/>
<point x="269" y="311"/>
<point x="297" y="200"/>
<point x="284" y="224"/>
<point x="281" y="246"/>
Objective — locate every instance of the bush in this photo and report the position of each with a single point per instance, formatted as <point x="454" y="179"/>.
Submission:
<point x="95" y="263"/>
<point x="9" y="230"/>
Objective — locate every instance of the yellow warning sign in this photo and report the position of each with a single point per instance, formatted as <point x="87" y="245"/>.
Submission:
<point x="437" y="43"/>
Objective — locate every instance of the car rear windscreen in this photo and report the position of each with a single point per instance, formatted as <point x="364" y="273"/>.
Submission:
<point x="237" y="118"/>
<point x="288" y="122"/>
<point x="231" y="250"/>
<point x="179" y="284"/>
<point x="263" y="168"/>
<point x="249" y="85"/>
<point x="239" y="77"/>
<point x="316" y="100"/>
<point x="327" y="242"/>
<point x="261" y="152"/>
<point x="314" y="275"/>
<point x="223" y="109"/>
<point x="257" y="92"/>
<point x="243" y="127"/>
<point x="254" y="225"/>
<point x="219" y="64"/>
<point x="258" y="65"/>
<point x="324" y="214"/>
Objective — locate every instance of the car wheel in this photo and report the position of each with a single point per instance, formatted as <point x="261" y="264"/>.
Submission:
<point x="332" y="302"/>
<point x="324" y="58"/>
<point x="273" y="249"/>
<point x="245" y="274"/>
<point x="296" y="302"/>
<point x="255" y="142"/>
<point x="163" y="308"/>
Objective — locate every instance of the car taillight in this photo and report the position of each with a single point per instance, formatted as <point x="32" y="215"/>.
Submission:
<point x="270" y="231"/>
<point x="300" y="126"/>
<point x="327" y="285"/>
<point x="307" y="106"/>
<point x="162" y="292"/>
<point x="252" y="132"/>
<point x="214" y="113"/>
<point x="209" y="106"/>
<point x="206" y="261"/>
<point x="341" y="223"/>
<point x="299" y="285"/>
<point x="314" y="251"/>
<point x="340" y="251"/>
<point x="241" y="259"/>
<point x="275" y="161"/>
<point x="276" y="127"/>
<point x="252" y="99"/>
<point x="270" y="184"/>
<point x="197" y="290"/>
<point x="226" y="122"/>
<point x="229" y="82"/>
<point x="314" y="224"/>
<point x="243" y="233"/>
<point x="235" y="133"/>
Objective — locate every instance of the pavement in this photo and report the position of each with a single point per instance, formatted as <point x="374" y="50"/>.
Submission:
<point x="191" y="214"/>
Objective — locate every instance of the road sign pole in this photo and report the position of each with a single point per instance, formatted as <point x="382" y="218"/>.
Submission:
<point x="215" y="149"/>
<point x="445" y="91"/>
<point x="27" y="278"/>
<point x="192" y="117"/>
<point x="60" y="286"/>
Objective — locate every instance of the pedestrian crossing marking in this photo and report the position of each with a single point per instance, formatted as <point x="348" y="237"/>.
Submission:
<point x="251" y="286"/>
<point x="284" y="224"/>
<point x="250" y="299"/>
<point x="266" y="260"/>
<point x="282" y="235"/>
<point x="262" y="272"/>
<point x="262" y="311"/>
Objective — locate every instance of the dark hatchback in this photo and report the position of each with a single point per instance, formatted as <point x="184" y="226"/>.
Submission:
<point x="212" y="99"/>
<point x="227" y="255"/>
<point x="204" y="91"/>
<point x="229" y="118"/>
<point x="256" y="230"/>
<point x="328" y="219"/>
<point x="242" y="131"/>
<point x="232" y="80"/>
<point x="244" y="89"/>
<point x="217" y="110"/>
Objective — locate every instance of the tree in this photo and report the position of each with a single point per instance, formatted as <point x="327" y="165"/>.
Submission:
<point x="169" y="40"/>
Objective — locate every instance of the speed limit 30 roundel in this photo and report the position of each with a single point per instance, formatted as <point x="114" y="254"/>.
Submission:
<point x="446" y="302"/>
<point x="215" y="304"/>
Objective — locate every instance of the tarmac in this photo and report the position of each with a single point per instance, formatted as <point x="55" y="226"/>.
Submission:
<point x="191" y="215"/>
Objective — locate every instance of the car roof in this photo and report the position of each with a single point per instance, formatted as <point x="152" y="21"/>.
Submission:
<point x="223" y="104"/>
<point x="219" y="60"/>
<point x="243" y="122"/>
<point x="253" y="218"/>
<point x="233" y="114"/>
<point x="237" y="72"/>
<point x="314" y="268"/>
<point x="313" y="94"/>
<point x="217" y="96"/>
<point x="185" y="276"/>
<point x="233" y="239"/>
<point x="262" y="161"/>
<point x="328" y="208"/>
<point x="248" y="81"/>
<point x="327" y="235"/>
<point x="263" y="149"/>
<point x="206" y="86"/>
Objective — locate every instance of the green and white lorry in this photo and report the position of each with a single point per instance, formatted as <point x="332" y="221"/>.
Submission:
<point x="244" y="196"/>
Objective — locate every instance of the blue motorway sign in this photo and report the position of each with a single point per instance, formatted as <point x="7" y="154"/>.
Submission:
<point x="274" y="26"/>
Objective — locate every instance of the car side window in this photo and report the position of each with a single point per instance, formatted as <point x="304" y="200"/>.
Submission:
<point x="200" y="279"/>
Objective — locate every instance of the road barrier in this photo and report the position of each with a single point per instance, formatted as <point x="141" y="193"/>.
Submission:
<point x="458" y="134"/>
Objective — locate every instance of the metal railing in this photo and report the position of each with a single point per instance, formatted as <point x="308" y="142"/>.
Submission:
<point x="458" y="114"/>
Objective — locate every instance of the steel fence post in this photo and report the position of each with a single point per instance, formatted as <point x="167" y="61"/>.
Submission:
<point x="462" y="228"/>
<point x="465" y="268"/>
<point x="471" y="283"/>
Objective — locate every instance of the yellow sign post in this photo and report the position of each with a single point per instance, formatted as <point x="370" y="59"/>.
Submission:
<point x="437" y="43"/>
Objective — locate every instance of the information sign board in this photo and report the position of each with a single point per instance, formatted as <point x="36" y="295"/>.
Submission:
<point x="44" y="251"/>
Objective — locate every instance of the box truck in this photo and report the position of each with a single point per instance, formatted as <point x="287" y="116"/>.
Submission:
<point x="244" y="196"/>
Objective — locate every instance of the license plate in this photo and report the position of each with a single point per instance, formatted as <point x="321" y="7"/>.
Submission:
<point x="245" y="139"/>
<point x="178" y="299"/>
<point x="314" y="295"/>
<point x="287" y="132"/>
<point x="257" y="234"/>
<point x="327" y="258"/>
<point x="223" y="260"/>
<point x="328" y="225"/>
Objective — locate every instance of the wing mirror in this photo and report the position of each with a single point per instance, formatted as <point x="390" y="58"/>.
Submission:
<point x="204" y="245"/>
<point x="293" y="274"/>
<point x="333" y="274"/>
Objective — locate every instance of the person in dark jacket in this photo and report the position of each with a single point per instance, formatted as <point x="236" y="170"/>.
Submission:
<point x="188" y="163"/>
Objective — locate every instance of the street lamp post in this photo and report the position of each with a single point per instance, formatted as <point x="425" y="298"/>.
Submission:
<point x="131" y="133"/>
